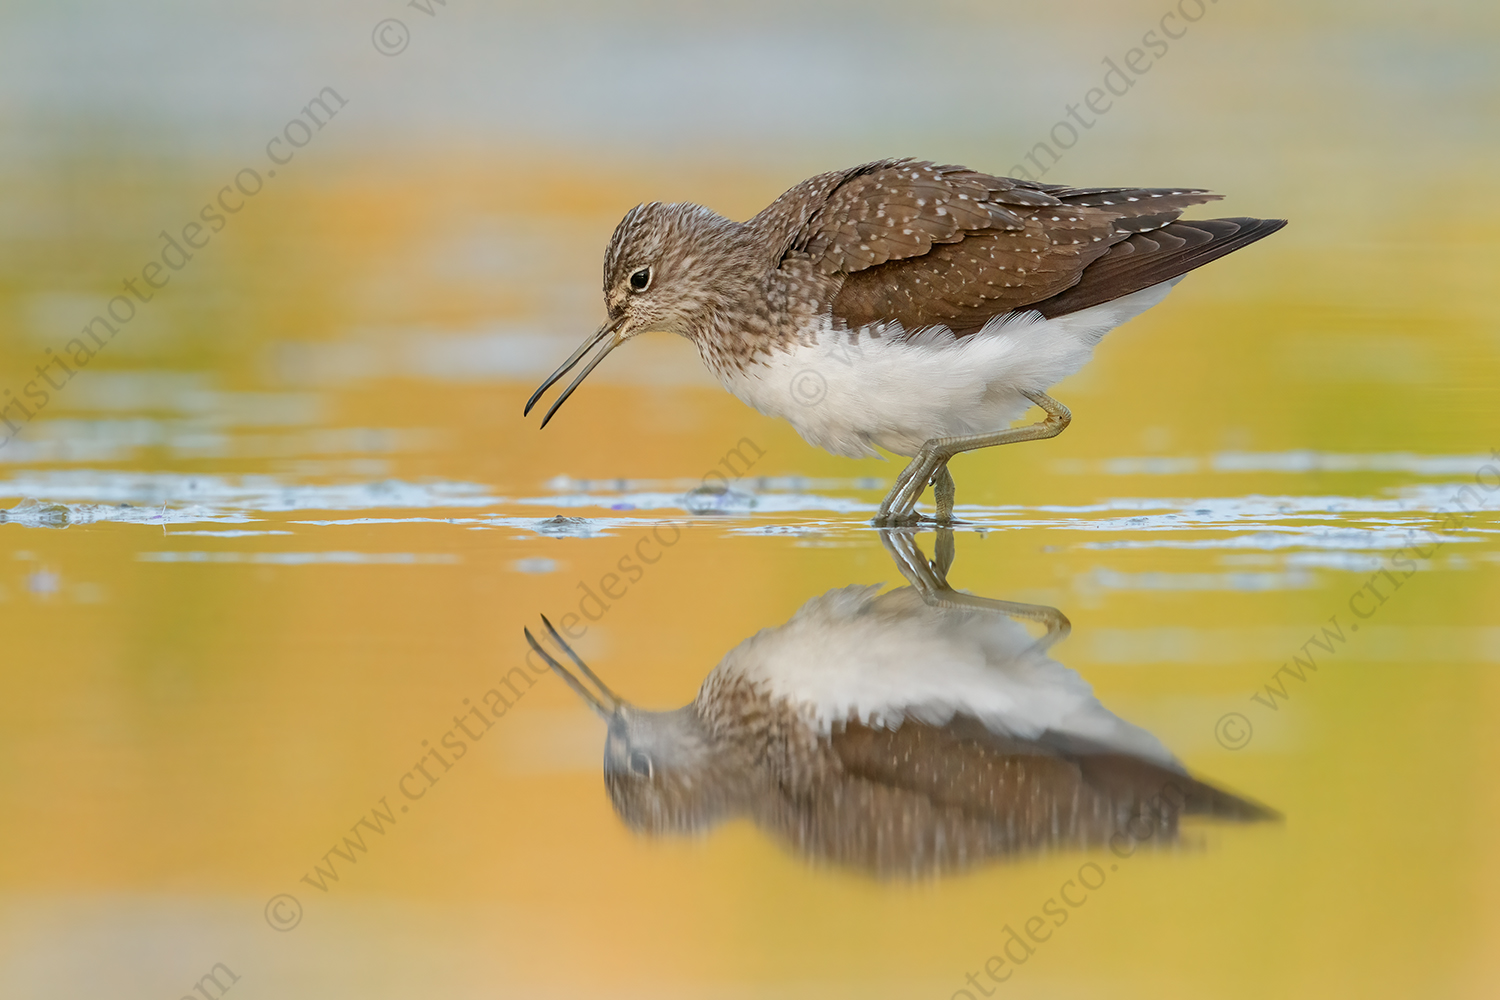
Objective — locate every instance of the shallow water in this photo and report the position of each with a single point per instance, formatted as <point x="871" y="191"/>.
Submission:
<point x="265" y="551"/>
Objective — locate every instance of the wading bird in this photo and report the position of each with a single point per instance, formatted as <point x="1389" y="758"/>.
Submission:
<point x="914" y="732"/>
<point x="902" y="304"/>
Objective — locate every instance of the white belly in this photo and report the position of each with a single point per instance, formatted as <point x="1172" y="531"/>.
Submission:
<point x="852" y="655"/>
<point x="900" y="390"/>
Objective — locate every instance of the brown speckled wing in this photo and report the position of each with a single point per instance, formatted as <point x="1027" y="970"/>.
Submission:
<point x="895" y="210"/>
<point x="922" y="799"/>
<point x="925" y="244"/>
<point x="901" y="211"/>
<point x="965" y="764"/>
<point x="963" y="285"/>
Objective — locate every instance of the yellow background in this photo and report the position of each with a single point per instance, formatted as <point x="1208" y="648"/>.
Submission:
<point x="181" y="741"/>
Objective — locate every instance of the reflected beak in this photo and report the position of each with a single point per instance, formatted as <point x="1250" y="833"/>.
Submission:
<point x="609" y="334"/>
<point x="606" y="702"/>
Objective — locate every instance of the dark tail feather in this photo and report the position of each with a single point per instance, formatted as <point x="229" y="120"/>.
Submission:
<point x="1158" y="790"/>
<point x="1150" y="258"/>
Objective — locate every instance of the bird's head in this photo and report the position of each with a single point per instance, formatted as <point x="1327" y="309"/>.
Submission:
<point x="665" y="772"/>
<point x="667" y="268"/>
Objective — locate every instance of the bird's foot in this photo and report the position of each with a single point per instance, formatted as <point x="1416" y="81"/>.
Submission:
<point x="899" y="508"/>
<point x="909" y="519"/>
<point x="897" y="519"/>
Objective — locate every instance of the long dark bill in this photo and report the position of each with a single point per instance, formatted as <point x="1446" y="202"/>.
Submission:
<point x="605" y="705"/>
<point x="605" y="333"/>
<point x="608" y="694"/>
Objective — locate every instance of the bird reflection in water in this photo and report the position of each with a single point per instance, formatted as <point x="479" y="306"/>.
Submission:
<point x="914" y="732"/>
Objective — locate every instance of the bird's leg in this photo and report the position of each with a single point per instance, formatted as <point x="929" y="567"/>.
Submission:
<point x="943" y="553"/>
<point x="902" y="503"/>
<point x="930" y="580"/>
<point x="927" y="467"/>
<point x="883" y="516"/>
<point x="901" y="545"/>
<point x="943" y="491"/>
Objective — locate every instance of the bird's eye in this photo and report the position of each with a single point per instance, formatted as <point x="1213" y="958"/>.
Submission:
<point x="641" y="280"/>
<point x="640" y="763"/>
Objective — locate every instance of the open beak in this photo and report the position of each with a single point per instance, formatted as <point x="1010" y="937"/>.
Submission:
<point x="609" y="335"/>
<point x="606" y="702"/>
